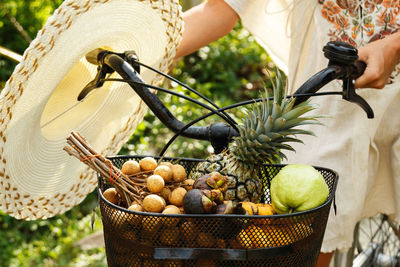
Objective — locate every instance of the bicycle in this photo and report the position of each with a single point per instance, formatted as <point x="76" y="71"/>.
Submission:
<point x="376" y="243"/>
<point x="343" y="65"/>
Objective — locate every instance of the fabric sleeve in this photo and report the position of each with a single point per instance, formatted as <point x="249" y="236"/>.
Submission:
<point x="238" y="5"/>
<point x="268" y="29"/>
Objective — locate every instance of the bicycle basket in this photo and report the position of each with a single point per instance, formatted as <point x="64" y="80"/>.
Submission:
<point x="154" y="239"/>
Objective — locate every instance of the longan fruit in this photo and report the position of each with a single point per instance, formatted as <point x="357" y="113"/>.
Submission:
<point x="111" y="195"/>
<point x="170" y="236"/>
<point x="133" y="218"/>
<point x="171" y="209"/>
<point x="169" y="221"/>
<point x="153" y="203"/>
<point x="155" y="183"/>
<point x="178" y="173"/>
<point x="164" y="202"/>
<point x="135" y="207"/>
<point x="150" y="232"/>
<point x="130" y="167"/>
<point x="150" y="227"/>
<point x="165" y="192"/>
<point x="148" y="164"/>
<point x="188" y="184"/>
<point x="189" y="231"/>
<point x="205" y="240"/>
<point x="164" y="171"/>
<point x="165" y="163"/>
<point x="118" y="219"/>
<point x="182" y="209"/>
<point x="176" y="196"/>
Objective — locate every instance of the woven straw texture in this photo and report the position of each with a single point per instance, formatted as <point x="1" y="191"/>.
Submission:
<point x="37" y="178"/>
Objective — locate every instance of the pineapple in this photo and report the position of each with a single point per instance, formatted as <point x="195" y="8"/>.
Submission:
<point x="266" y="129"/>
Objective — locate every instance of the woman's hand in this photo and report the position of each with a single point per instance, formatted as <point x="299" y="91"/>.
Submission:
<point x="381" y="57"/>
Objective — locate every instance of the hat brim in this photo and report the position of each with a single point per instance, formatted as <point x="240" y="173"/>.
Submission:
<point x="40" y="108"/>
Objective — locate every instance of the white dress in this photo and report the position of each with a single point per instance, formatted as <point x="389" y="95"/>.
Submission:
<point x="365" y="152"/>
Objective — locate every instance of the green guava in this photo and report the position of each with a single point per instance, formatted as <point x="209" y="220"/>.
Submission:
<point x="298" y="187"/>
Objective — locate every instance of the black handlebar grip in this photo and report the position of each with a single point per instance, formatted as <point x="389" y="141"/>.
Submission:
<point x="359" y="68"/>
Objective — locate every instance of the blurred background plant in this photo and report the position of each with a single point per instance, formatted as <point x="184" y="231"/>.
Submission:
<point x="232" y="69"/>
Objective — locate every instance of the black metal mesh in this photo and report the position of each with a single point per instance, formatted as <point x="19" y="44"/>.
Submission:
<point x="153" y="239"/>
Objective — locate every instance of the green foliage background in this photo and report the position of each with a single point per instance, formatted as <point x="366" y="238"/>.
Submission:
<point x="31" y="15"/>
<point x="232" y="69"/>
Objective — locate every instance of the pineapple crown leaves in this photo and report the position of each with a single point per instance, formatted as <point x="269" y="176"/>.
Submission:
<point x="269" y="125"/>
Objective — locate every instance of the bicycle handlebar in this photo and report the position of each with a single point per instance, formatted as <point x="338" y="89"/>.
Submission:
<point x="126" y="71"/>
<point x="342" y="65"/>
<point x="219" y="134"/>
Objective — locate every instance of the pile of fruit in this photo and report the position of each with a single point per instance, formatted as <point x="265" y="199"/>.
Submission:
<point x="167" y="189"/>
<point x="161" y="183"/>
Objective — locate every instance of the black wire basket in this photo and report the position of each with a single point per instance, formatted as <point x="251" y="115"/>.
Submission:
<point x="154" y="239"/>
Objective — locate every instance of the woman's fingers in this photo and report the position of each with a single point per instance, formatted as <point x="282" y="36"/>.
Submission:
<point x="374" y="75"/>
<point x="381" y="57"/>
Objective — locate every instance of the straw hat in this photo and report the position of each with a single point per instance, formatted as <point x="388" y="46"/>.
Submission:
<point x="39" y="106"/>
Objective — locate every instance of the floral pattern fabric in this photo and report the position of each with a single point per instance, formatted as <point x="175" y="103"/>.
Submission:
<point x="359" y="22"/>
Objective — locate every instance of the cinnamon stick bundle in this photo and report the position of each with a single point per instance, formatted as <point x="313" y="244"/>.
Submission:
<point x="129" y="188"/>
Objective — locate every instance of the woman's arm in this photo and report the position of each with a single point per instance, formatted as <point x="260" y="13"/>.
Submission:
<point x="381" y="57"/>
<point x="204" y="24"/>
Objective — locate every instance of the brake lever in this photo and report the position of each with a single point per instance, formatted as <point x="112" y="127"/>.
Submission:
<point x="94" y="57"/>
<point x="349" y="92"/>
<point x="350" y="95"/>
<point x="97" y="82"/>
<point x="346" y="56"/>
